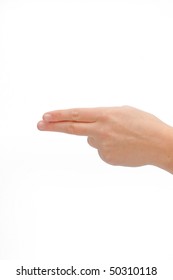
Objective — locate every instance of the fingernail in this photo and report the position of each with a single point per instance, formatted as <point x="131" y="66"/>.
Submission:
<point x="40" y="125"/>
<point x="47" y="117"/>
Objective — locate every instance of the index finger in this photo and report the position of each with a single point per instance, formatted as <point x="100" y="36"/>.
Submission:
<point x="75" y="115"/>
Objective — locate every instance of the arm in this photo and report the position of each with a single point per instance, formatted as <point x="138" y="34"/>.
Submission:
<point x="123" y="135"/>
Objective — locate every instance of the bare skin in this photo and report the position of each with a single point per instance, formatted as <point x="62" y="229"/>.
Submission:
<point x="123" y="135"/>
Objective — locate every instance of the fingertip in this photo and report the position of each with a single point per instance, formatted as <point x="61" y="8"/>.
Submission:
<point x="47" y="117"/>
<point x="40" y="125"/>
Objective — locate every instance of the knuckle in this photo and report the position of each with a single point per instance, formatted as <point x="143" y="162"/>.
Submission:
<point x="126" y="107"/>
<point x="104" y="133"/>
<point x="103" y="155"/>
<point x="59" y="115"/>
<point x="91" y="142"/>
<point x="75" y="115"/>
<point x="101" y="131"/>
<point x="104" y="116"/>
<point x="71" y="128"/>
<point x="107" y="157"/>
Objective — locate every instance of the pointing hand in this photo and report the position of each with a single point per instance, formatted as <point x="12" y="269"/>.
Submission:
<point x="123" y="135"/>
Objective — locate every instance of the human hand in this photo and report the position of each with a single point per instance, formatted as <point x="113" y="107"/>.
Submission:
<point x="123" y="135"/>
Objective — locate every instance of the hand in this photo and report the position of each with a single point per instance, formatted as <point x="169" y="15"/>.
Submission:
<point x="123" y="135"/>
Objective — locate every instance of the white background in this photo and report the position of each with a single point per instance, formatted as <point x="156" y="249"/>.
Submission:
<point x="58" y="200"/>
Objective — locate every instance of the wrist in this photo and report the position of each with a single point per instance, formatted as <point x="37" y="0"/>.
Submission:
<point x="164" y="149"/>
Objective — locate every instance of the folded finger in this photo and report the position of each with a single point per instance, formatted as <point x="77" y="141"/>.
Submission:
<point x="92" y="142"/>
